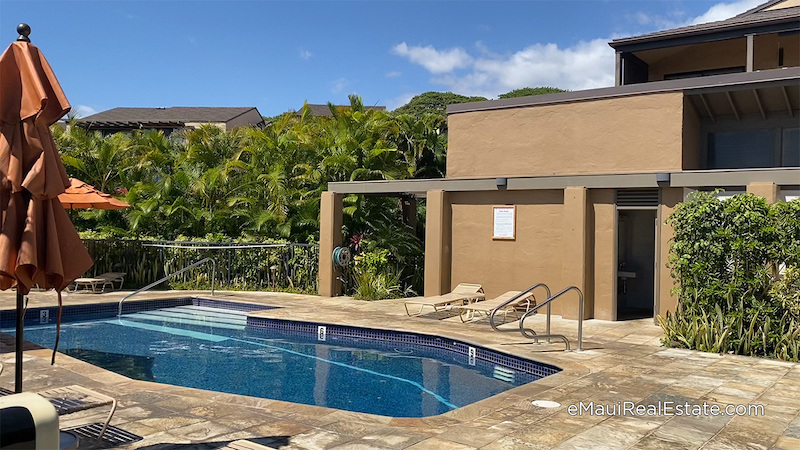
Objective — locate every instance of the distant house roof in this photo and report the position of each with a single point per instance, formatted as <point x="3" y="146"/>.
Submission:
<point x="766" y="15"/>
<point x="176" y="116"/>
<point x="325" y="111"/>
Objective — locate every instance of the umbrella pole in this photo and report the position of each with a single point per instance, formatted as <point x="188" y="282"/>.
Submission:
<point x="18" y="365"/>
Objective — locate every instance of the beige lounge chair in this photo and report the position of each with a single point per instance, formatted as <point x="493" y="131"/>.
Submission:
<point x="485" y="308"/>
<point x="113" y="277"/>
<point x="463" y="293"/>
<point x="90" y="285"/>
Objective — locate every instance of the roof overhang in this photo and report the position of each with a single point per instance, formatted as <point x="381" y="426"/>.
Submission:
<point x="789" y="176"/>
<point x="692" y="36"/>
<point x="789" y="76"/>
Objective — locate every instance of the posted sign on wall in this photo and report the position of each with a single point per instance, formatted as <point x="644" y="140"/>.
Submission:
<point x="504" y="222"/>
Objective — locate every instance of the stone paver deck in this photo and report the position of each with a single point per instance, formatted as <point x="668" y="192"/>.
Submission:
<point x="622" y="362"/>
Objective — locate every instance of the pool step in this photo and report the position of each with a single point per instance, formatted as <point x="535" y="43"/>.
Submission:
<point x="191" y="315"/>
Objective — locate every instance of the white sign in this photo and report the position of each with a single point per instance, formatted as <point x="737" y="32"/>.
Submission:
<point x="504" y="222"/>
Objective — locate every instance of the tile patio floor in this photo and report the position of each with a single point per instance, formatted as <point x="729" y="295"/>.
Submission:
<point x="622" y="361"/>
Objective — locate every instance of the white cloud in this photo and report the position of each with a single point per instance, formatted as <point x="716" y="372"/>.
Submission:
<point x="83" y="111"/>
<point x="677" y="19"/>
<point x="338" y="85"/>
<point x="305" y="54"/>
<point x="435" y="61"/>
<point x="394" y="74"/>
<point x="722" y="11"/>
<point x="585" y="65"/>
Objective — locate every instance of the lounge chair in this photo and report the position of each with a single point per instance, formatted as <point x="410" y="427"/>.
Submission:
<point x="463" y="293"/>
<point x="72" y="399"/>
<point x="113" y="277"/>
<point x="100" y="282"/>
<point x="90" y="283"/>
<point x="485" y="308"/>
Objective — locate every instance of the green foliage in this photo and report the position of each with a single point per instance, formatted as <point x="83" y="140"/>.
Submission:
<point x="375" y="278"/>
<point x="434" y="102"/>
<point x="524" y="92"/>
<point x="724" y="258"/>
<point x="259" y="184"/>
<point x="786" y="292"/>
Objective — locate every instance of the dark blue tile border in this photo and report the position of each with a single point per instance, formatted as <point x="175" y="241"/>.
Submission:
<point x="87" y="312"/>
<point x="349" y="334"/>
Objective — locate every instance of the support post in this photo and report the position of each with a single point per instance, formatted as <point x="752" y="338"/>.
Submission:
<point x="437" y="243"/>
<point x="749" y="64"/>
<point x="19" y="342"/>
<point x="768" y="190"/>
<point x="330" y="236"/>
<point x="576" y="250"/>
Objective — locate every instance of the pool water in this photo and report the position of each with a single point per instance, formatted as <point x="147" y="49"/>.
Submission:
<point x="213" y="349"/>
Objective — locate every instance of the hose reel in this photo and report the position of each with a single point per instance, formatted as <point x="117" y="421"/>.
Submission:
<point x="341" y="256"/>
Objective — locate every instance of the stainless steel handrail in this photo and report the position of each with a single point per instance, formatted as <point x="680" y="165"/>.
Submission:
<point x="530" y="334"/>
<point x="204" y="260"/>
<point x="515" y="298"/>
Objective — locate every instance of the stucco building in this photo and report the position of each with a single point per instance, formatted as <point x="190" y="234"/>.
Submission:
<point x="590" y="176"/>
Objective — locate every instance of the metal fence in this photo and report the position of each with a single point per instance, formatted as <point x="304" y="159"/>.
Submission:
<point x="243" y="266"/>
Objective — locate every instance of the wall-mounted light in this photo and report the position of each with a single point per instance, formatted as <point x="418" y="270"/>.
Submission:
<point x="662" y="179"/>
<point x="501" y="183"/>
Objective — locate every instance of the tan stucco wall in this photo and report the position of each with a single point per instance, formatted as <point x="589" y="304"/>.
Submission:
<point x="666" y="302"/>
<point x="501" y="265"/>
<point x="620" y="135"/>
<point x="605" y="253"/>
<point x="786" y="4"/>
<point x="708" y="56"/>
<point x="691" y="137"/>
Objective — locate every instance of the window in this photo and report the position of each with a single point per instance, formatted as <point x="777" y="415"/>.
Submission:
<point x="741" y="149"/>
<point x="790" y="151"/>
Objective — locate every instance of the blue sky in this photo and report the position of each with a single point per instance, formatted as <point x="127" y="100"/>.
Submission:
<point x="277" y="54"/>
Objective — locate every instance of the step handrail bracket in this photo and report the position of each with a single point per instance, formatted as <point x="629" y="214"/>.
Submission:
<point x="156" y="283"/>
<point x="515" y="298"/>
<point x="531" y="334"/>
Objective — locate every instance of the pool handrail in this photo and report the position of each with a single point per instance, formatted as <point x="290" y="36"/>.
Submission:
<point x="515" y="298"/>
<point x="531" y="334"/>
<point x="155" y="283"/>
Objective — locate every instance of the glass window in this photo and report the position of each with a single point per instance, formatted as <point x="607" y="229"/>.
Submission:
<point x="790" y="154"/>
<point x="741" y="149"/>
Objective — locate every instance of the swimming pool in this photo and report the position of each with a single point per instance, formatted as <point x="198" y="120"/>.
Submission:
<point x="209" y="345"/>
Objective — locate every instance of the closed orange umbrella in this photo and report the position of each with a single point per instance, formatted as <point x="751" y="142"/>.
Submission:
<point x="81" y="195"/>
<point x="38" y="244"/>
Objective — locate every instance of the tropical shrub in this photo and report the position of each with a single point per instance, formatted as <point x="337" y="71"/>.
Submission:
<point x="725" y="258"/>
<point x="257" y="184"/>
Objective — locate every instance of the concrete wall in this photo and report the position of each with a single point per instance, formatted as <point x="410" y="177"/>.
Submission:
<point x="695" y="57"/>
<point x="605" y="253"/>
<point x="722" y="55"/>
<point x="691" y="137"/>
<point x="670" y="197"/>
<point x="503" y="265"/>
<point x="620" y="135"/>
<point x="438" y="239"/>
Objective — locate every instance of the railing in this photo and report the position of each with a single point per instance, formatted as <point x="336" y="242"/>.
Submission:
<point x="530" y="334"/>
<point x="240" y="266"/>
<point x="156" y="283"/>
<point x="515" y="298"/>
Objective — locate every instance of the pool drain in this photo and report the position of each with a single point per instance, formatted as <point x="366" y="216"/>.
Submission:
<point x="545" y="404"/>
